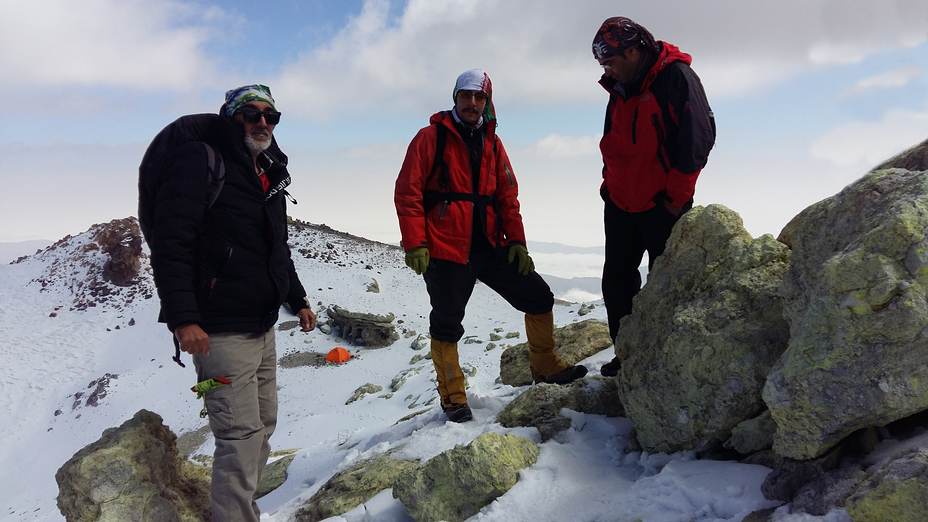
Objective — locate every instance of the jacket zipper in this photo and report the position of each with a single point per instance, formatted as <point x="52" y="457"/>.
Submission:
<point x="661" y="153"/>
<point x="635" y="126"/>
<point x="212" y="282"/>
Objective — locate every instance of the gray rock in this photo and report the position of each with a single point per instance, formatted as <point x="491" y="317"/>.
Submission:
<point x="373" y="331"/>
<point x="456" y="484"/>
<point x="400" y="379"/>
<point x="373" y="286"/>
<point x="753" y="435"/>
<point x="786" y="479"/>
<point x="133" y="472"/>
<point x="421" y="342"/>
<point x="855" y="299"/>
<point x="703" y="333"/>
<point x="361" y="391"/>
<point x="540" y="406"/>
<point x="828" y="492"/>
<point x="352" y="487"/>
<point x="274" y="475"/>
<point x="573" y="343"/>
<point x="897" y="491"/>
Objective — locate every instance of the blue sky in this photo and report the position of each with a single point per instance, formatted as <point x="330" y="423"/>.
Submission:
<point x="808" y="95"/>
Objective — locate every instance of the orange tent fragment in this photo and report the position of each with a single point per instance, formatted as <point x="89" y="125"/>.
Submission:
<point x="338" y="354"/>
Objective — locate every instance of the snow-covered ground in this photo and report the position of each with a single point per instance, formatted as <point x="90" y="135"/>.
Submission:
<point x="60" y="353"/>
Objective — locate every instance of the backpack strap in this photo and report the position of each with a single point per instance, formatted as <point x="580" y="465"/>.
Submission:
<point x="215" y="174"/>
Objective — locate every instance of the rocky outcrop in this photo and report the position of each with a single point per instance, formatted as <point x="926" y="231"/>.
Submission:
<point x="703" y="333"/>
<point x="456" y="484"/>
<point x="121" y="240"/>
<point x="352" y="487"/>
<point x="275" y="473"/>
<point x="573" y="343"/>
<point x="540" y="406"/>
<point x="856" y="299"/>
<point x="132" y="472"/>
<point x="369" y="330"/>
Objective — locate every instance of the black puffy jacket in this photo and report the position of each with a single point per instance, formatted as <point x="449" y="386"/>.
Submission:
<point x="227" y="268"/>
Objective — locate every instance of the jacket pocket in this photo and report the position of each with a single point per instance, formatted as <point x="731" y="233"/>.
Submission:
<point x="221" y="416"/>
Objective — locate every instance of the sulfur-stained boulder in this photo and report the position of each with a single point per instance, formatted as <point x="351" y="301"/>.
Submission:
<point x="703" y="333"/>
<point x="132" y="472"/>
<point x="573" y="343"/>
<point x="856" y="299"/>
<point x="753" y="435"/>
<point x="540" y="406"/>
<point x="898" y="491"/>
<point x="456" y="484"/>
<point x="369" y="330"/>
<point x="352" y="487"/>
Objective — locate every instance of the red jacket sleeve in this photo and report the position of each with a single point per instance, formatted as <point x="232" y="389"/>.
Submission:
<point x="410" y="184"/>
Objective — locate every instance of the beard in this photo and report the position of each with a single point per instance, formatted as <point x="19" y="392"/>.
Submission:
<point x="256" y="146"/>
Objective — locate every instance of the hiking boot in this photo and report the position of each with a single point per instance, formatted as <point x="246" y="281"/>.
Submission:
<point x="565" y="376"/>
<point x="459" y="413"/>
<point x="611" y="368"/>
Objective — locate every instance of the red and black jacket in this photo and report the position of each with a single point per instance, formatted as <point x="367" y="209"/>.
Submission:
<point x="446" y="228"/>
<point x="657" y="139"/>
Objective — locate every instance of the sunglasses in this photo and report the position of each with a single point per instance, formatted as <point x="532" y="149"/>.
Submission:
<point x="477" y="95"/>
<point x="253" y="116"/>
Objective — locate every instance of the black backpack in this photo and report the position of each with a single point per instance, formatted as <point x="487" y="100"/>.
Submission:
<point x="195" y="128"/>
<point x="184" y="130"/>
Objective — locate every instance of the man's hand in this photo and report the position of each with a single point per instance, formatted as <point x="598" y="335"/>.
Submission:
<point x="672" y="209"/>
<point x="307" y="319"/>
<point x="526" y="265"/>
<point x="192" y="339"/>
<point x="417" y="258"/>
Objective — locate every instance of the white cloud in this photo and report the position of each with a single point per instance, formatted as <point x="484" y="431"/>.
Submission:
<point x="558" y="146"/>
<point x="890" y="79"/>
<point x="869" y="143"/>
<point x="108" y="43"/>
<point x="537" y="52"/>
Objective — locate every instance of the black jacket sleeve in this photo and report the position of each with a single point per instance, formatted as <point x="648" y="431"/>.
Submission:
<point x="180" y="205"/>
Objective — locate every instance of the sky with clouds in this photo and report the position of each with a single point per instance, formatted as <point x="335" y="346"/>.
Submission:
<point x="808" y="95"/>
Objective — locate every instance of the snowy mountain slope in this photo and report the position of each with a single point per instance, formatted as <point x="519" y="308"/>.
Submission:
<point x="92" y="366"/>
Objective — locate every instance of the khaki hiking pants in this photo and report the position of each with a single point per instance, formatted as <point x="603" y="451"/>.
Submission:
<point x="242" y="416"/>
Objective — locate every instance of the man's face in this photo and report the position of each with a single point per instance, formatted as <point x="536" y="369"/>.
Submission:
<point x="622" y="66"/>
<point x="469" y="106"/>
<point x="257" y="135"/>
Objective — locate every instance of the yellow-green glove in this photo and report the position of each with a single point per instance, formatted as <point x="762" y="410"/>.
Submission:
<point x="526" y="265"/>
<point x="417" y="258"/>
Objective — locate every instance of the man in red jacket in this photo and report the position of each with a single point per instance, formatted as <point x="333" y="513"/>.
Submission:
<point x="459" y="218"/>
<point x="658" y="133"/>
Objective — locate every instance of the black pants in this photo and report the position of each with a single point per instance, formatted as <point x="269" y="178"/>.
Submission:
<point x="450" y="286"/>
<point x="628" y="236"/>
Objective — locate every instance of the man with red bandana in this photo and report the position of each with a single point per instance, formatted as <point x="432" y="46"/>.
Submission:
<point x="460" y="221"/>
<point x="658" y="133"/>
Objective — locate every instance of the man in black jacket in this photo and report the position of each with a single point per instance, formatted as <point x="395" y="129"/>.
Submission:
<point x="222" y="271"/>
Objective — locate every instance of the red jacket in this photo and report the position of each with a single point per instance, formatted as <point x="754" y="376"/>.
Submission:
<point x="659" y="138"/>
<point x="446" y="228"/>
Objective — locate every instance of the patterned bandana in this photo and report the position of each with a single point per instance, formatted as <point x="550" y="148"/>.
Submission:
<point x="618" y="34"/>
<point x="476" y="80"/>
<point x="238" y="97"/>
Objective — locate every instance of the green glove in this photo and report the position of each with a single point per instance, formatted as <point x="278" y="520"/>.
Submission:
<point x="417" y="258"/>
<point x="526" y="265"/>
